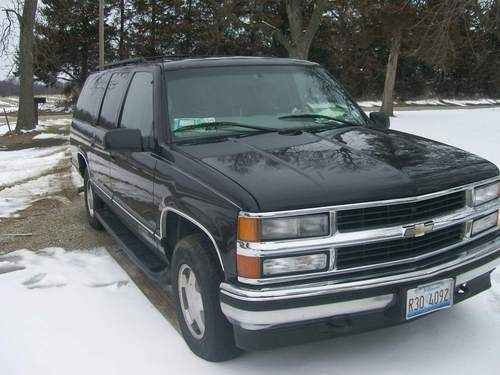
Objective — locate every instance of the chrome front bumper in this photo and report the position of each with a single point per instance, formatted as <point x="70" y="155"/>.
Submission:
<point x="255" y="318"/>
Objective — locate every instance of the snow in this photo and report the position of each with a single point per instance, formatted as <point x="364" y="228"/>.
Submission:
<point x="76" y="178"/>
<point x="79" y="313"/>
<point x="27" y="175"/>
<point x="4" y="128"/>
<point x="425" y="102"/>
<point x="22" y="195"/>
<point x="50" y="136"/>
<point x="20" y="165"/>
<point x="475" y="130"/>
<point x="30" y="174"/>
<point x="11" y="103"/>
<point x="370" y="103"/>
<point x="434" y="102"/>
<point x="465" y="102"/>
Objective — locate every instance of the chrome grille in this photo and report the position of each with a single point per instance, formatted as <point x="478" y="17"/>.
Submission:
<point x="388" y="251"/>
<point x="396" y="214"/>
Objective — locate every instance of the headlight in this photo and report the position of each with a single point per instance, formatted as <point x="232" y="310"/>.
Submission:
<point x="484" y="223"/>
<point x="486" y="193"/>
<point x="257" y="267"/>
<point x="295" y="264"/>
<point x="283" y="228"/>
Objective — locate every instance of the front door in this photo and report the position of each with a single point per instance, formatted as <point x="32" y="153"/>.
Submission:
<point x="132" y="173"/>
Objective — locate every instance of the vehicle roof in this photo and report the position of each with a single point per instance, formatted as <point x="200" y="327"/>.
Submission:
<point x="176" y="63"/>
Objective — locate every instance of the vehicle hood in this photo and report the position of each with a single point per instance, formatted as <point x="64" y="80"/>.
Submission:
<point x="338" y="166"/>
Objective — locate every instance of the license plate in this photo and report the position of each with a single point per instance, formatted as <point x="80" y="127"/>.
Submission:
<point x="427" y="298"/>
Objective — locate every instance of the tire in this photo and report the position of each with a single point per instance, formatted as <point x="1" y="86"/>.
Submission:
<point x="215" y="342"/>
<point x="92" y="202"/>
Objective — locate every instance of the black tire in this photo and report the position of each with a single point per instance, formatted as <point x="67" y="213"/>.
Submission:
<point x="97" y="203"/>
<point x="217" y="341"/>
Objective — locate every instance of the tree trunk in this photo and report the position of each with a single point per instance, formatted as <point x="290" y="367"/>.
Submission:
<point x="390" y="76"/>
<point x="152" y="37"/>
<point x="26" y="110"/>
<point x="121" y="42"/>
<point x="299" y="42"/>
<point x="101" y="33"/>
<point x="189" y="21"/>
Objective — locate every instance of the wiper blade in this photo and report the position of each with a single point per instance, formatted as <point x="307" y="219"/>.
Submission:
<point x="219" y="124"/>
<point x="316" y="116"/>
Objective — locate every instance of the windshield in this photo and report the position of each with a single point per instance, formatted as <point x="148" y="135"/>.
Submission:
<point x="269" y="97"/>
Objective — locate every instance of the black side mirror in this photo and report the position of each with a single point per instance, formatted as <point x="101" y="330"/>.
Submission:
<point x="123" y="139"/>
<point x="380" y="120"/>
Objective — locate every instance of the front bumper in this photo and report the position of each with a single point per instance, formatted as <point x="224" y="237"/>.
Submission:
<point x="271" y="308"/>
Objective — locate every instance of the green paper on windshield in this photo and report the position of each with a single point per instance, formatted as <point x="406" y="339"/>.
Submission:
<point x="189" y="121"/>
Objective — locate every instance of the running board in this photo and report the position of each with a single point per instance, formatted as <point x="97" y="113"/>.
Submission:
<point x="151" y="264"/>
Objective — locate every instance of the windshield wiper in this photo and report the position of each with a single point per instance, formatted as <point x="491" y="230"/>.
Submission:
<point x="316" y="116"/>
<point x="220" y="124"/>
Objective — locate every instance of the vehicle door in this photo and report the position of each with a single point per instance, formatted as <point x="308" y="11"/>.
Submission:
<point x="107" y="119"/>
<point x="132" y="173"/>
<point x="89" y="135"/>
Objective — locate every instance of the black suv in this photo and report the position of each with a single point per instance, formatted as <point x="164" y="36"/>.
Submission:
<point x="273" y="205"/>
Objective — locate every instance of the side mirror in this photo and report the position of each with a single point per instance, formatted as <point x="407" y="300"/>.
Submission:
<point x="123" y="139"/>
<point x="380" y="120"/>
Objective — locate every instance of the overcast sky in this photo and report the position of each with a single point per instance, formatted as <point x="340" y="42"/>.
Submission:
<point x="6" y="61"/>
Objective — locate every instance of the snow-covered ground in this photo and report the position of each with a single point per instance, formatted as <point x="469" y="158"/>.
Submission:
<point x="79" y="313"/>
<point x="31" y="174"/>
<point x="474" y="130"/>
<point x="44" y="123"/>
<point x="53" y="104"/>
<point x="434" y="102"/>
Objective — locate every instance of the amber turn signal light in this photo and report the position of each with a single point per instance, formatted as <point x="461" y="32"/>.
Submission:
<point x="248" y="229"/>
<point x="248" y="267"/>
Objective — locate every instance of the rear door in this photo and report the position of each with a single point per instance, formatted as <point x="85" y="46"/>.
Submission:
<point x="87" y="136"/>
<point x="132" y="173"/>
<point x="107" y="119"/>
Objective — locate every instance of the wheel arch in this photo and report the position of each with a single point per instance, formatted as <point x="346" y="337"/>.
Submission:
<point x="83" y="163"/>
<point x="169" y="230"/>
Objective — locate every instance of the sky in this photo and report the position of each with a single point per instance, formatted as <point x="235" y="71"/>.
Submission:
<point x="6" y="61"/>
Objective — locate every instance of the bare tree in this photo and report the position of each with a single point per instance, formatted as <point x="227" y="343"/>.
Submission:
<point x="432" y="27"/>
<point x="390" y="75"/>
<point x="298" y="41"/>
<point x="9" y="26"/>
<point x="26" y="22"/>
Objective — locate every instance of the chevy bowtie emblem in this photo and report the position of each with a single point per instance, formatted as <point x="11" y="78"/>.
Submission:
<point x="418" y="230"/>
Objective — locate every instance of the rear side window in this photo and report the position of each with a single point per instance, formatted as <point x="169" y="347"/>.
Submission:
<point x="89" y="102"/>
<point x="138" y="107"/>
<point x="112" y="99"/>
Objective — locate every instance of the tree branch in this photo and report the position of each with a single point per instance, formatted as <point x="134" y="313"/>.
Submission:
<point x="315" y="21"/>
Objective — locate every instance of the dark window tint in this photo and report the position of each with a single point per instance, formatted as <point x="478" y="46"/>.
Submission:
<point x="90" y="98"/>
<point x="112" y="99"/>
<point x="138" y="108"/>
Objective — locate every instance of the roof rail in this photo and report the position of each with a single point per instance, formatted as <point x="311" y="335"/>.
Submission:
<point x="135" y="60"/>
<point x="164" y="58"/>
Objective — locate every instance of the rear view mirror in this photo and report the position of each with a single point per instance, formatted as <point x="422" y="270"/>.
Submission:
<point x="123" y="139"/>
<point x="380" y="120"/>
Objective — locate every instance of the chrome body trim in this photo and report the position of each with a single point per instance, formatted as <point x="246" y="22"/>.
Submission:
<point x="163" y="218"/>
<point x="365" y="236"/>
<point x="270" y="293"/>
<point x="257" y="320"/>
<point x="79" y="152"/>
<point x="336" y="239"/>
<point x="132" y="216"/>
<point x="418" y="198"/>
<point x="102" y="191"/>
<point x="333" y="271"/>
<point x="123" y="208"/>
